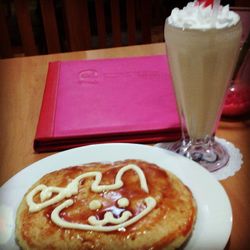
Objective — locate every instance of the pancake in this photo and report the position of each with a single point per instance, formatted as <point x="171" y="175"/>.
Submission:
<point x="129" y="204"/>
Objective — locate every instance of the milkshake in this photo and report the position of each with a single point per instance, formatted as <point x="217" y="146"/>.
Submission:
<point x="202" y="46"/>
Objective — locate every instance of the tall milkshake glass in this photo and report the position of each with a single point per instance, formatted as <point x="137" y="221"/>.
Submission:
<point x="201" y="61"/>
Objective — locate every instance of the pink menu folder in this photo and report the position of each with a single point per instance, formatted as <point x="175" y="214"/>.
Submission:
<point x="107" y="100"/>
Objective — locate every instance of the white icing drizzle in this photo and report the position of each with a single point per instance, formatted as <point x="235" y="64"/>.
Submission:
<point x="109" y="218"/>
<point x="123" y="202"/>
<point x="73" y="187"/>
<point x="95" y="204"/>
<point x="149" y="201"/>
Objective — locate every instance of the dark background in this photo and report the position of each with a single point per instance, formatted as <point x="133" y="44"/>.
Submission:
<point x="160" y="10"/>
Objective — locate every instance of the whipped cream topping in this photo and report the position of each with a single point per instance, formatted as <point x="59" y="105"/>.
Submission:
<point x="195" y="16"/>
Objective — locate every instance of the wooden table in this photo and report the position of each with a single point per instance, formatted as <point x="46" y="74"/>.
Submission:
<point x="21" y="89"/>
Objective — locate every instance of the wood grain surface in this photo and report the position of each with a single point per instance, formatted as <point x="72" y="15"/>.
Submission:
<point x="21" y="89"/>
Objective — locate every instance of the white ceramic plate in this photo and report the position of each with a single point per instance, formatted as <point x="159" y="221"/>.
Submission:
<point x="214" y="220"/>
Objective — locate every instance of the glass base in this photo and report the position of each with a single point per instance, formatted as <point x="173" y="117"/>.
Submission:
<point x="210" y="154"/>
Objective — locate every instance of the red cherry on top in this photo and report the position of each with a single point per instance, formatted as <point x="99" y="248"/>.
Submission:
<point x="205" y="2"/>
